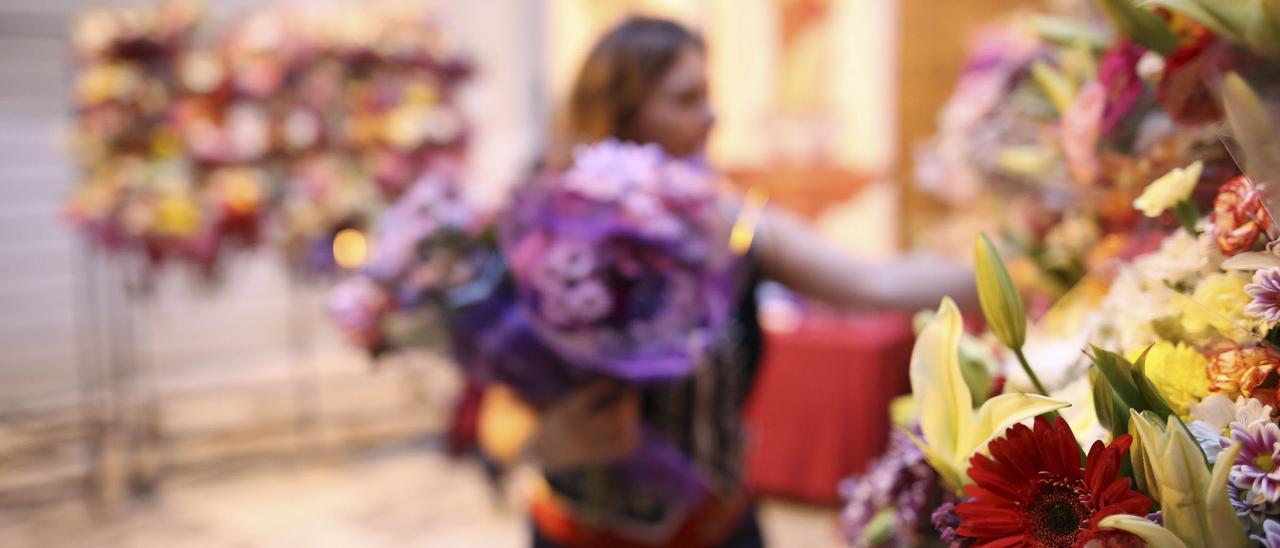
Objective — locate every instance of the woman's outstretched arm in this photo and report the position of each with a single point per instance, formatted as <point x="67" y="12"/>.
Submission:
<point x="797" y="257"/>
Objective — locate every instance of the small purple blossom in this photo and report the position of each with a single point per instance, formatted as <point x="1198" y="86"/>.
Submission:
<point x="945" y="520"/>
<point x="1265" y="291"/>
<point x="1257" y="467"/>
<point x="1251" y="507"/>
<point x="1271" y="534"/>
<point x="900" y="481"/>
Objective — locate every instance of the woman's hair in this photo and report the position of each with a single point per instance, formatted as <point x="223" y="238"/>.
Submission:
<point x="618" y="75"/>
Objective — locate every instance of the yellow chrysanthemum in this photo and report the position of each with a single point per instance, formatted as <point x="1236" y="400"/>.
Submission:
<point x="1179" y="373"/>
<point x="1220" y="302"/>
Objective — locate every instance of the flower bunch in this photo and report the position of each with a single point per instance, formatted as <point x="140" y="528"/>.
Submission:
<point x="287" y="128"/>
<point x="622" y="260"/>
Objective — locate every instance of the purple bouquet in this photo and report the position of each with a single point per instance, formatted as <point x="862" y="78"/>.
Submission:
<point x="619" y="267"/>
<point x="621" y="263"/>
<point x="428" y="245"/>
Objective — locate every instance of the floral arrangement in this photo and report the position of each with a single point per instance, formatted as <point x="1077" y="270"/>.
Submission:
<point x="619" y="267"/>
<point x="294" y="124"/>
<point x="1166" y="435"/>
<point x="429" y="249"/>
<point x="623" y="261"/>
<point x="1067" y="126"/>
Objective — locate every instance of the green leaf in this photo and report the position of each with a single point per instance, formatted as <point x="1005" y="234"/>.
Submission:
<point x="1113" y="415"/>
<point x="1066" y="31"/>
<point x="1119" y="374"/>
<point x="1193" y="9"/>
<point x="1234" y="14"/>
<point x="1143" y="26"/>
<point x="1152" y="400"/>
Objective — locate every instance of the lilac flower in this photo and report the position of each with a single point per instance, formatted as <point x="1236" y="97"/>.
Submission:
<point x="1258" y="466"/>
<point x="1265" y="291"/>
<point x="358" y="305"/>
<point x="1271" y="530"/>
<point x="1251" y="507"/>
<point x="587" y="301"/>
<point x="899" y="481"/>
<point x="610" y="170"/>
<point x="945" y="520"/>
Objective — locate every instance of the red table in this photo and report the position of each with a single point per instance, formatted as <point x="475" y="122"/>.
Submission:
<point x="820" y="411"/>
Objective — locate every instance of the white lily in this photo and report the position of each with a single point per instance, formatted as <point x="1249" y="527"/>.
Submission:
<point x="953" y="430"/>
<point x="1169" y="466"/>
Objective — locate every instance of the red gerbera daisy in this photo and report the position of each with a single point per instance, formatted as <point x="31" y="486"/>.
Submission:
<point x="1032" y="492"/>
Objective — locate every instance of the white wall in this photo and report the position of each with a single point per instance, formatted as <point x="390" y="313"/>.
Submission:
<point x="257" y="350"/>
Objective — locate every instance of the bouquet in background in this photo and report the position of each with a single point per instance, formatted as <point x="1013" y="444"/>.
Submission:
<point x="430" y="250"/>
<point x="294" y="124"/>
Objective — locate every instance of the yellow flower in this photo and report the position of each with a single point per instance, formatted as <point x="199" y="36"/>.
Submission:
<point x="953" y="430"/>
<point x="1179" y="373"/>
<point x="1220" y="302"/>
<point x="176" y="215"/>
<point x="1168" y="190"/>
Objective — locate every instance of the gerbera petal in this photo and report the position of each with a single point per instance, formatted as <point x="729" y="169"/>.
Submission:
<point x="1033" y="478"/>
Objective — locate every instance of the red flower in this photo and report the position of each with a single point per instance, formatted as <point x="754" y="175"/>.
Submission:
<point x="1032" y="492"/>
<point x="1182" y="91"/>
<point x="1239" y="216"/>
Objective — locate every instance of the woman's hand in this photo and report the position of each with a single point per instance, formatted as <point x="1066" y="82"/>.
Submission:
<point x="596" y="424"/>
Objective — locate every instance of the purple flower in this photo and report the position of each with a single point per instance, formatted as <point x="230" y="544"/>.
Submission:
<point x="611" y="169"/>
<point x="1265" y="291"/>
<point x="1257" y="467"/>
<point x="899" y="481"/>
<point x="1251" y="507"/>
<point x="1271" y="530"/>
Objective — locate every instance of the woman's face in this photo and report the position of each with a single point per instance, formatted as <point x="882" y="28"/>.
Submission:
<point x="677" y="114"/>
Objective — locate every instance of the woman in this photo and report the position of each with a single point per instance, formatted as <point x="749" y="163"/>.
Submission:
<point x="645" y="81"/>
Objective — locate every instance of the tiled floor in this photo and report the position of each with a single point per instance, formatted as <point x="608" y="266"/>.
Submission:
<point x="399" y="496"/>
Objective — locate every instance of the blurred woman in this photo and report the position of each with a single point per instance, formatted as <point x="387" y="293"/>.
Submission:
<point x="646" y="81"/>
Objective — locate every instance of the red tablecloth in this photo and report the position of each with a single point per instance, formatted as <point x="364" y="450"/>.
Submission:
<point x="820" y="410"/>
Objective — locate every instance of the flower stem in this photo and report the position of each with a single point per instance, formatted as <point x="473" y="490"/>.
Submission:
<point x="1026" y="367"/>
<point x="1188" y="214"/>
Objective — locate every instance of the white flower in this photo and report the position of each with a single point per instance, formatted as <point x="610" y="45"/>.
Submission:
<point x="1181" y="259"/>
<point x="1168" y="190"/>
<point x="1213" y="416"/>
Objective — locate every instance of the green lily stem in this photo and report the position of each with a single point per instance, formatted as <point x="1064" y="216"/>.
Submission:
<point x="1188" y="214"/>
<point x="1026" y="367"/>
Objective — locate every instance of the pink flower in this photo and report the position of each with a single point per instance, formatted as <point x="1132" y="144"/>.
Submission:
<point x="1081" y="129"/>
<point x="1118" y="73"/>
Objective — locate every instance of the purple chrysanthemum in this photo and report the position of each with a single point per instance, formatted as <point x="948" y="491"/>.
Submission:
<point x="1265" y="291"/>
<point x="1257" y="467"/>
<point x="1271" y="535"/>
<point x="1251" y="507"/>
